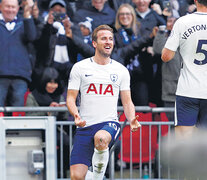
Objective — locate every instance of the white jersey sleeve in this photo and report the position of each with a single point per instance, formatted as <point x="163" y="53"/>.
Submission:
<point x="173" y="40"/>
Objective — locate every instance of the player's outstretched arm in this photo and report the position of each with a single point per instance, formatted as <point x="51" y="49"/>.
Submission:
<point x="129" y="110"/>
<point x="71" y="105"/>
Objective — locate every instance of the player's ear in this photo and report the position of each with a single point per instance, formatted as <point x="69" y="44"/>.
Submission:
<point x="94" y="43"/>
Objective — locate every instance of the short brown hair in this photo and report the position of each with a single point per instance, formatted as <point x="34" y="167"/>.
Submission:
<point x="101" y="27"/>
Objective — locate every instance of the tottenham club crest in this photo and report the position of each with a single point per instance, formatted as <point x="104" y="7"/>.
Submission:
<point x="114" y="77"/>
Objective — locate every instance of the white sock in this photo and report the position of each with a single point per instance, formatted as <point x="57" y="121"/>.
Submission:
<point x="99" y="162"/>
<point x="89" y="175"/>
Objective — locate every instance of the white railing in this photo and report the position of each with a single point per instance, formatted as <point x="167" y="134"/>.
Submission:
<point x="155" y="169"/>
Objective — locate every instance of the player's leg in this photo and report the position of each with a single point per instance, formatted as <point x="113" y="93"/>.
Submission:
<point x="186" y="115"/>
<point x="101" y="154"/>
<point x="81" y="154"/>
<point x="202" y="118"/>
<point x="102" y="140"/>
<point x="78" y="171"/>
<point x="184" y="131"/>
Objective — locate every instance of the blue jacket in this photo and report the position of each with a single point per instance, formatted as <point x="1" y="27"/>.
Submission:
<point x="106" y="16"/>
<point x="14" y="56"/>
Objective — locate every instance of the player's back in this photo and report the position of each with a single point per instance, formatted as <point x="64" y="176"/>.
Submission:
<point x="189" y="35"/>
<point x="193" y="33"/>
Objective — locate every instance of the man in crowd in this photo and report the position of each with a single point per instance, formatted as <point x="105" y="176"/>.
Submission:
<point x="16" y="33"/>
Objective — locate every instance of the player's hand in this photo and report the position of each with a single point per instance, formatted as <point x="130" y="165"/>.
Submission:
<point x="78" y="121"/>
<point x="134" y="124"/>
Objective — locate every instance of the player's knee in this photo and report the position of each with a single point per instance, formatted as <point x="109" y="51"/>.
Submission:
<point x="101" y="141"/>
<point x="76" y="176"/>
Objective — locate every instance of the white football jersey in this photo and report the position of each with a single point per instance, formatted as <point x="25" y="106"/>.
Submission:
<point x="99" y="86"/>
<point x="189" y="35"/>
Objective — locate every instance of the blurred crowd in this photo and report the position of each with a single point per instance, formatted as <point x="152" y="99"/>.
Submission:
<point x="42" y="39"/>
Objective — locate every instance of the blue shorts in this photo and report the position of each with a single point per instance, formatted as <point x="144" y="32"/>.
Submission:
<point x="190" y="111"/>
<point x="83" y="146"/>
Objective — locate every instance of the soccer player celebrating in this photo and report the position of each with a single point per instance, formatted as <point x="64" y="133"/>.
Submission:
<point x="99" y="80"/>
<point x="189" y="35"/>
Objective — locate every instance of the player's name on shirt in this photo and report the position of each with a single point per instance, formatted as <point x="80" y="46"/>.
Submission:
<point x="194" y="29"/>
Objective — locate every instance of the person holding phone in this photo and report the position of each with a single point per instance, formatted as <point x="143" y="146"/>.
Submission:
<point x="170" y="8"/>
<point x="53" y="48"/>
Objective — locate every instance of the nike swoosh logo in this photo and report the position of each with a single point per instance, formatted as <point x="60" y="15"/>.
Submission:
<point x="87" y="75"/>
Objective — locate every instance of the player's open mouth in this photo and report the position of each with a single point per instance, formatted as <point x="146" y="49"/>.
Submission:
<point x="107" y="47"/>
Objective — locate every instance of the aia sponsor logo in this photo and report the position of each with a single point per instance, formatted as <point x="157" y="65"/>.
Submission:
<point x="101" y="89"/>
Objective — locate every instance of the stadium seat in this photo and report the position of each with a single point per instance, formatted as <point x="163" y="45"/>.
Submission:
<point x="136" y="140"/>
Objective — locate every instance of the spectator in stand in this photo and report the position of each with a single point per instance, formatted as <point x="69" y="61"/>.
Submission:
<point x="98" y="11"/>
<point x="16" y="33"/>
<point x="86" y="30"/>
<point x="53" y="48"/>
<point x="171" y="69"/>
<point x="183" y="7"/>
<point x="176" y="8"/>
<point x="166" y="8"/>
<point x="38" y="20"/>
<point x="114" y="4"/>
<point x="43" y="7"/>
<point x="48" y="93"/>
<point x="148" y="19"/>
<point x="128" y="30"/>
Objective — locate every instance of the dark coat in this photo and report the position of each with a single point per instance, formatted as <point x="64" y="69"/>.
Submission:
<point x="14" y="56"/>
<point x="46" y="49"/>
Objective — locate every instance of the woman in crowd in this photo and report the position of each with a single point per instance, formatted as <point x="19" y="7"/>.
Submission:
<point x="128" y="30"/>
<point x="47" y="93"/>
